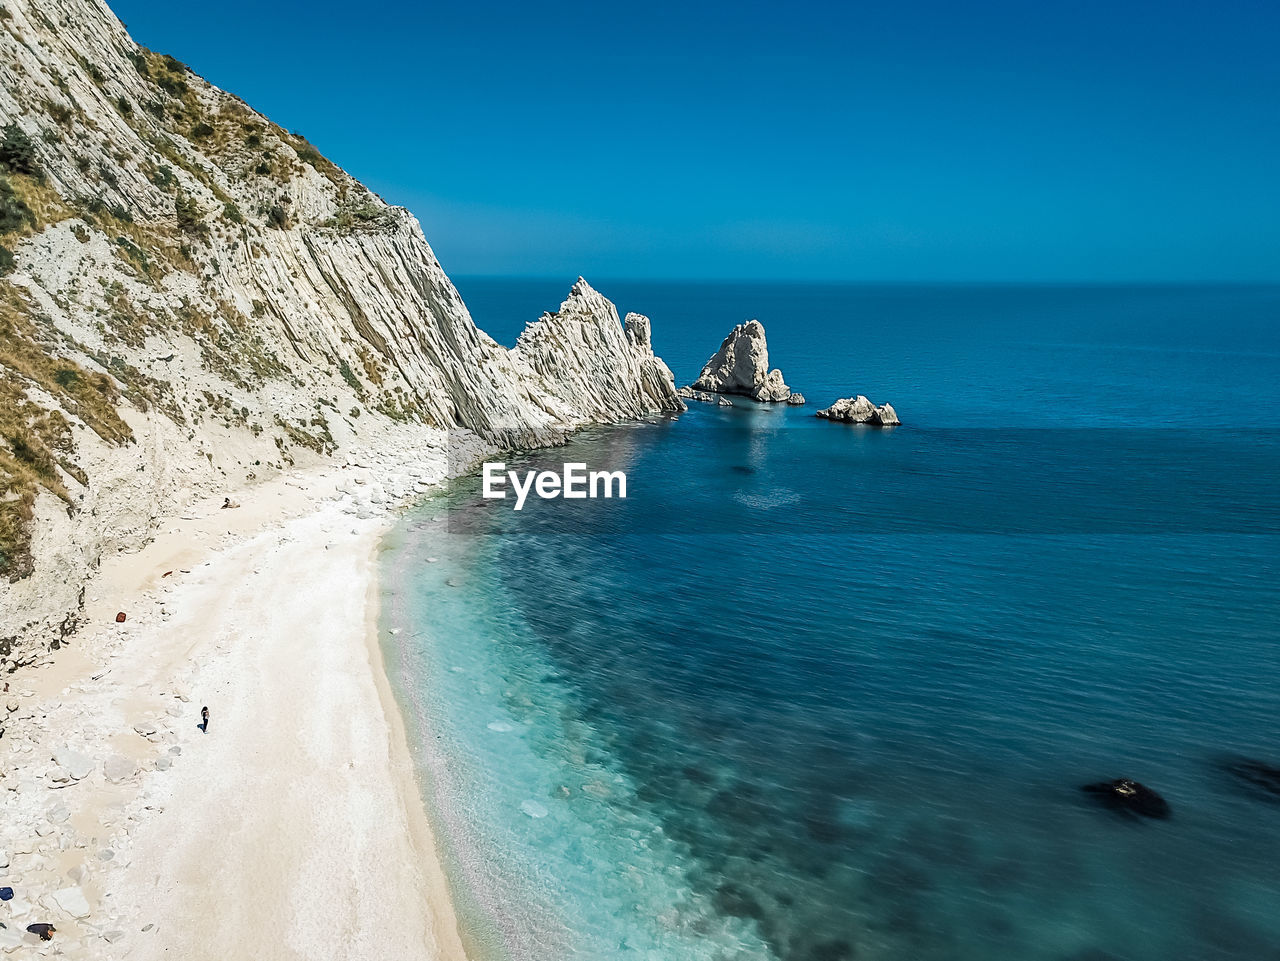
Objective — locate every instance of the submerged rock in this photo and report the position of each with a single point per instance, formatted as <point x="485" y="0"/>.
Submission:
<point x="533" y="809"/>
<point x="859" y="410"/>
<point x="704" y="397"/>
<point x="1257" y="777"/>
<point x="741" y="366"/>
<point x="1130" y="797"/>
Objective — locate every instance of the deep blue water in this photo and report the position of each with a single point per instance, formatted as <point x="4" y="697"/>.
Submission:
<point x="816" y="692"/>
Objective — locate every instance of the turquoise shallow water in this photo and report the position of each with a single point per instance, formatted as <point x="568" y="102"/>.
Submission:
<point x="816" y="692"/>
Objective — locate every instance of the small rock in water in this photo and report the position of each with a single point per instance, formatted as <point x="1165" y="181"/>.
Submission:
<point x="534" y="809"/>
<point x="859" y="410"/>
<point x="1130" y="797"/>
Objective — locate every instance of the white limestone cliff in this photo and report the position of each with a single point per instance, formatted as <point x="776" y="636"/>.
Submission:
<point x="596" y="367"/>
<point x="741" y="366"/>
<point x="198" y="300"/>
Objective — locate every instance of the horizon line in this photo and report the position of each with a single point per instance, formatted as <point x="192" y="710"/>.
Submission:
<point x="829" y="282"/>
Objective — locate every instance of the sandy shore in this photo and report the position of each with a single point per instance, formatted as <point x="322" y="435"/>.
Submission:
<point x="294" y="827"/>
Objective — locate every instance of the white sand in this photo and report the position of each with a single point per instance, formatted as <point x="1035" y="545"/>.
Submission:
<point x="293" y="828"/>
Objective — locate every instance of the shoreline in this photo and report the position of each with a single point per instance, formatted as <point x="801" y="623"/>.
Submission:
<point x="296" y="827"/>
<point x="422" y="833"/>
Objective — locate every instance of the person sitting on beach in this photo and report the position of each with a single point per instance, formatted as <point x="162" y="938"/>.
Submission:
<point x="228" y="503"/>
<point x="204" y="719"/>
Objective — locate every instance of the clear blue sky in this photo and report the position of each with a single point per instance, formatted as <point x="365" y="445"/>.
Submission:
<point x="906" y="140"/>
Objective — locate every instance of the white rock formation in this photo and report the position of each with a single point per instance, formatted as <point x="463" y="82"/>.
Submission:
<point x="859" y="410"/>
<point x="214" y="303"/>
<point x="741" y="366"/>
<point x="598" y="369"/>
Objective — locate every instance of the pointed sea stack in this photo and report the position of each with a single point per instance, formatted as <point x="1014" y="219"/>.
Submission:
<point x="595" y="364"/>
<point x="741" y="366"/>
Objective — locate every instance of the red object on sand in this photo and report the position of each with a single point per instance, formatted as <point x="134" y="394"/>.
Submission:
<point x="120" y="618"/>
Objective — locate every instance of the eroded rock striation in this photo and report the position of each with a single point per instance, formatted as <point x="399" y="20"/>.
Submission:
<point x="597" y="367"/>
<point x="859" y="410"/>
<point x="193" y="299"/>
<point x="741" y="366"/>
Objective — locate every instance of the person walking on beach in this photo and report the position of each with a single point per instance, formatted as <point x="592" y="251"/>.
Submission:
<point x="204" y="719"/>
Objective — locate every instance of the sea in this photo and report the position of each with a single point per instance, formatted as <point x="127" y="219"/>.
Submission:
<point x="822" y="692"/>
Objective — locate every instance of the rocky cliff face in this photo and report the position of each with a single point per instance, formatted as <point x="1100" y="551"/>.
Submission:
<point x="741" y="366"/>
<point x="598" y="368"/>
<point x="193" y="298"/>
